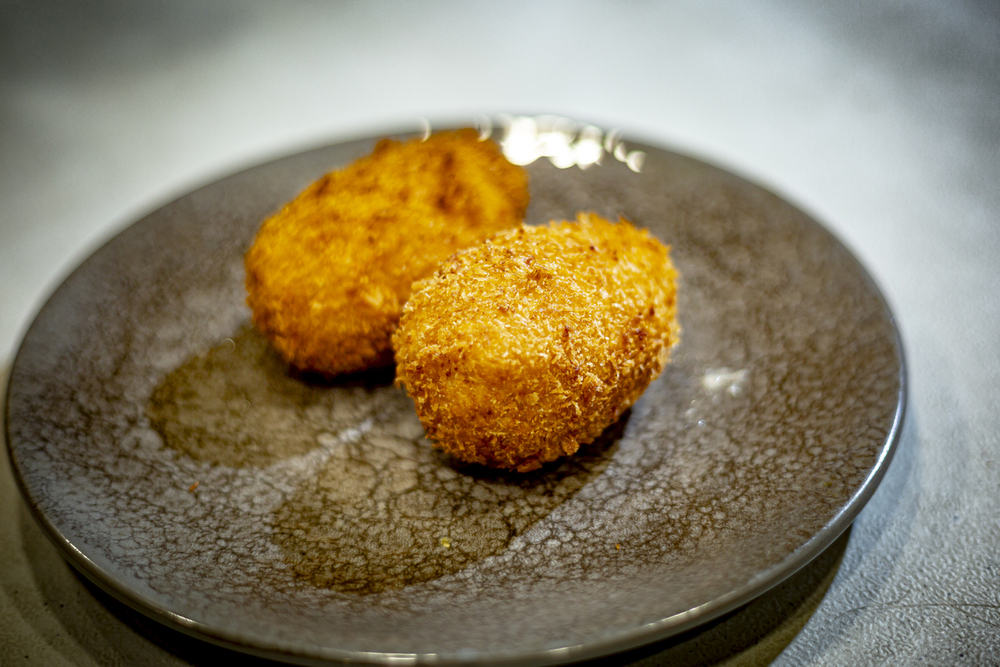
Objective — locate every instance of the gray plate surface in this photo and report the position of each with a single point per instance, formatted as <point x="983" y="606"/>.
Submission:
<point x="177" y="463"/>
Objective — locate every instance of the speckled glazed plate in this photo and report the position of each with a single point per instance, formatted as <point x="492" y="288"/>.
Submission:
<point x="178" y="463"/>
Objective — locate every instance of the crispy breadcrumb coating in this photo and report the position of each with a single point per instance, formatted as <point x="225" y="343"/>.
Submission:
<point x="520" y="349"/>
<point x="328" y="275"/>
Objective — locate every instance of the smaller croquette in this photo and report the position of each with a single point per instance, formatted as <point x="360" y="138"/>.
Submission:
<point x="522" y="348"/>
<point x="327" y="276"/>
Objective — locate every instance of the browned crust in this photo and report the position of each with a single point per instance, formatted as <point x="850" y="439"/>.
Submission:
<point x="328" y="275"/>
<point x="519" y="350"/>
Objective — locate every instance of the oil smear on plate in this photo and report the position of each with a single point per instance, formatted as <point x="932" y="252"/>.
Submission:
<point x="379" y="509"/>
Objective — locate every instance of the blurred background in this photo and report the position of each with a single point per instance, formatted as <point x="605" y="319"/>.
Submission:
<point x="881" y="119"/>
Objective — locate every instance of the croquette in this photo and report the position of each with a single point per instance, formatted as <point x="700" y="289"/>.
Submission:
<point x="327" y="276"/>
<point x="522" y="348"/>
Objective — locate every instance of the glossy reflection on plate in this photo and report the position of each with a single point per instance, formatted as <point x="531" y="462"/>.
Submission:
<point x="182" y="466"/>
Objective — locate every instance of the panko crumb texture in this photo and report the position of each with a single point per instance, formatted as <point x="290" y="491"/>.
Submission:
<point x="328" y="275"/>
<point x="520" y="349"/>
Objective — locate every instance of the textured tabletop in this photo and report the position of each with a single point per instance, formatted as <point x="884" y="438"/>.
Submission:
<point x="881" y="120"/>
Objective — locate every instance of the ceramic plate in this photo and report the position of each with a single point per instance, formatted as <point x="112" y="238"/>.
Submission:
<point x="178" y="463"/>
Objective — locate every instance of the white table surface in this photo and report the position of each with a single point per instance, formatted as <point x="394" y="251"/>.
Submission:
<point x="880" y="119"/>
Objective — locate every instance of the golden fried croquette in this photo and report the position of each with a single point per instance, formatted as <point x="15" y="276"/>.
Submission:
<point x="522" y="348"/>
<point x="328" y="275"/>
